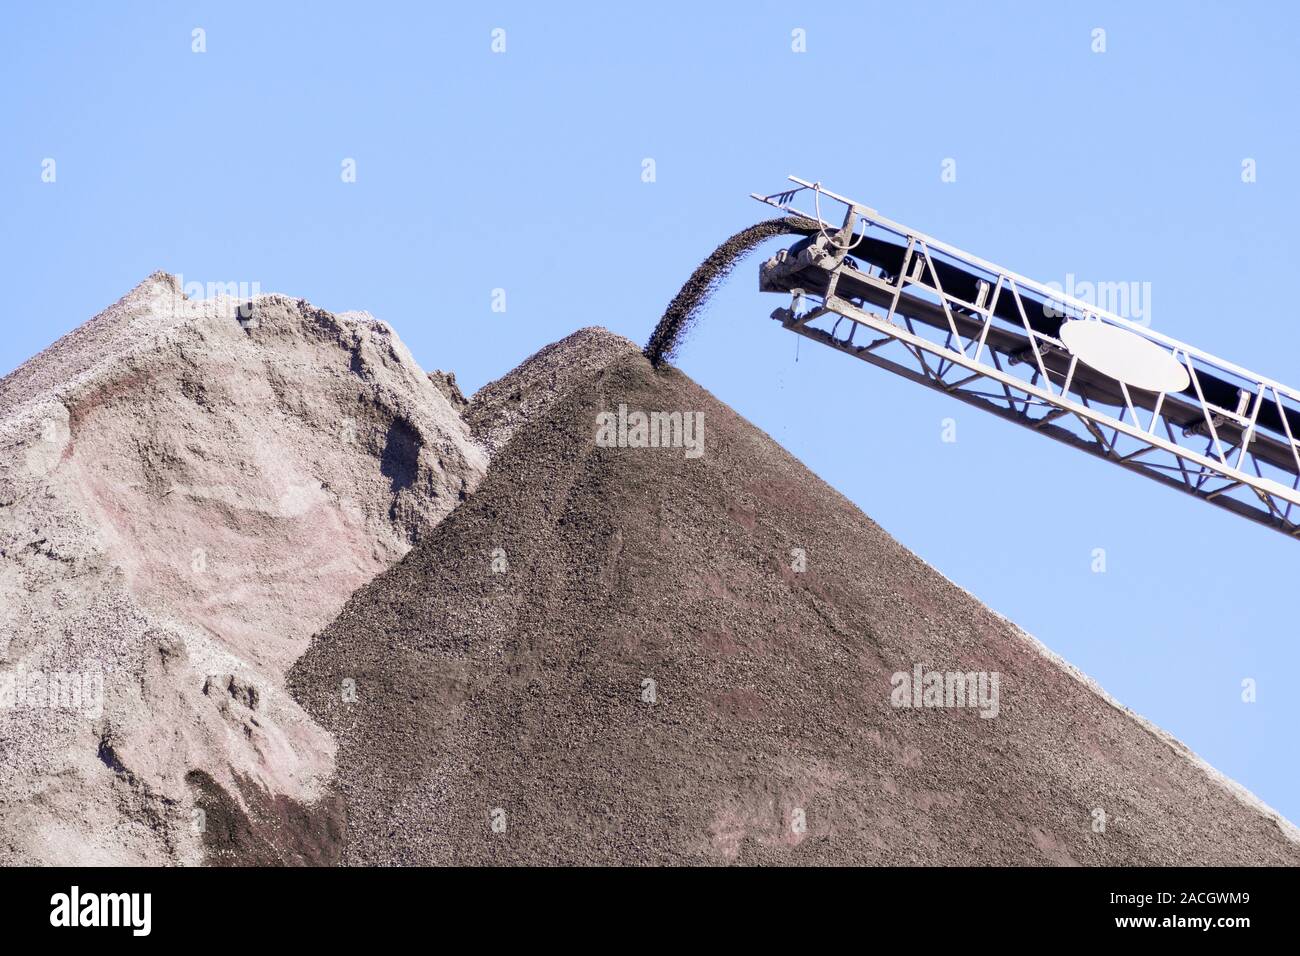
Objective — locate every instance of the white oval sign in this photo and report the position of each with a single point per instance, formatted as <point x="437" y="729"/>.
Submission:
<point x="1124" y="356"/>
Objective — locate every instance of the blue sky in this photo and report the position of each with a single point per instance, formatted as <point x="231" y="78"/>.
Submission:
<point x="522" y="171"/>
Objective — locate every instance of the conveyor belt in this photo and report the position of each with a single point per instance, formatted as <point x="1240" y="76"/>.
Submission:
<point x="1012" y="341"/>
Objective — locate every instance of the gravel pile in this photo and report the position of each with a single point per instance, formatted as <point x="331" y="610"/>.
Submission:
<point x="628" y="655"/>
<point x="311" y="624"/>
<point x="500" y="408"/>
<point x="186" y="495"/>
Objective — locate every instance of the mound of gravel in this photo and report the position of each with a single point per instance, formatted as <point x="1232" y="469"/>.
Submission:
<point x="188" y="490"/>
<point x="501" y="408"/>
<point x="621" y="654"/>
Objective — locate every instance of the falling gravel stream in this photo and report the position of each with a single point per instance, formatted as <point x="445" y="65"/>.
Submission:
<point x="708" y="275"/>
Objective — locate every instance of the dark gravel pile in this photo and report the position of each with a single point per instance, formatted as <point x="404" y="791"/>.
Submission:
<point x="694" y="294"/>
<point x="500" y="408"/>
<point x="607" y="655"/>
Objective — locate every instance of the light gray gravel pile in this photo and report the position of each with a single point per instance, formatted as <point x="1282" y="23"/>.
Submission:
<point x="186" y="495"/>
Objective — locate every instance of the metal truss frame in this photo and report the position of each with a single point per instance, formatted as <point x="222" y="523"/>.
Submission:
<point x="1212" y="453"/>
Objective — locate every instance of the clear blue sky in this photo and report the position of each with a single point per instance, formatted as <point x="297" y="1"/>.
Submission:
<point x="522" y="171"/>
